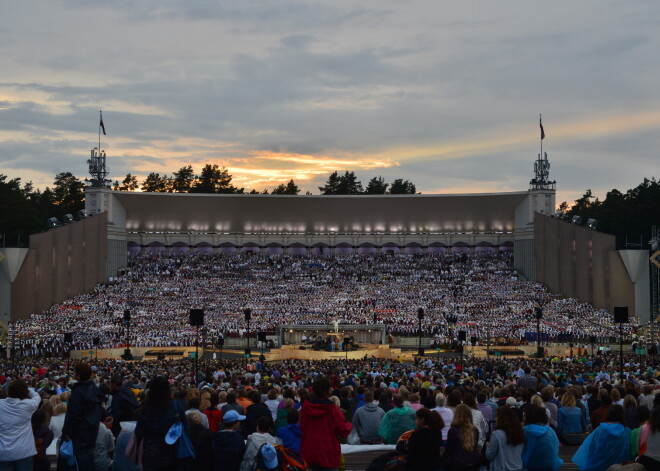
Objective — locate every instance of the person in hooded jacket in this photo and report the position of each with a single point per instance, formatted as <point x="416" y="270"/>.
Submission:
<point x="83" y="416"/>
<point x="397" y="421"/>
<point x="322" y="425"/>
<point x="290" y="434"/>
<point x="367" y="419"/>
<point x="608" y="444"/>
<point x="256" y="440"/>
<point x="541" y="447"/>
<point x="17" y="447"/>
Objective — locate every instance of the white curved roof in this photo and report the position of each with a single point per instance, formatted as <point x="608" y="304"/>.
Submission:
<point x="173" y="212"/>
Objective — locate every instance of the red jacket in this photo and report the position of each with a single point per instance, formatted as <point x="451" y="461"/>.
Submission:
<point x="322" y="424"/>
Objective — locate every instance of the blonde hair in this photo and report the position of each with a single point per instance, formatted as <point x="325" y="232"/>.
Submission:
<point x="193" y="418"/>
<point x="335" y="400"/>
<point x="463" y="421"/>
<point x="537" y="401"/>
<point x="568" y="399"/>
<point x="61" y="408"/>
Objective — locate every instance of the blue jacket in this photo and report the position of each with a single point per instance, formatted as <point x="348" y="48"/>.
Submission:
<point x="290" y="436"/>
<point x="541" y="449"/>
<point x="570" y="420"/>
<point x="607" y="445"/>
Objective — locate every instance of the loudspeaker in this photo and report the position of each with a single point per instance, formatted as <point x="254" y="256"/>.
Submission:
<point x="160" y="356"/>
<point x="197" y="317"/>
<point x="420" y="313"/>
<point x="592" y="339"/>
<point x="221" y="342"/>
<point x="261" y="336"/>
<point x="538" y="313"/>
<point x="462" y="336"/>
<point x="473" y="340"/>
<point x="127" y="355"/>
<point x="68" y="337"/>
<point x="96" y="341"/>
<point x="621" y="314"/>
<point x="248" y="314"/>
<point x="127" y="315"/>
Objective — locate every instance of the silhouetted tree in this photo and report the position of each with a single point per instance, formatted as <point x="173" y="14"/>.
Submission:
<point x="402" y="187"/>
<point x="289" y="189"/>
<point x="130" y="183"/>
<point x="213" y="179"/>
<point x="376" y="186"/>
<point x="183" y="179"/>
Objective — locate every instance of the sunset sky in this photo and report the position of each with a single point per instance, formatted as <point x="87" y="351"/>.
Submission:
<point x="445" y="94"/>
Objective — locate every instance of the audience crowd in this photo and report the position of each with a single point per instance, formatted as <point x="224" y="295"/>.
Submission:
<point x="436" y="413"/>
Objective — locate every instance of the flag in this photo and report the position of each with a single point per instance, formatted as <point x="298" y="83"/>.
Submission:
<point x="103" y="127"/>
<point x="540" y="124"/>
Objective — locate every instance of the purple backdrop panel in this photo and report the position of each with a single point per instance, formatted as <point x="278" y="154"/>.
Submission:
<point x="204" y="248"/>
<point x="412" y="249"/>
<point x="227" y="249"/>
<point x="343" y="250"/>
<point x="390" y="249"/>
<point x="437" y="249"/>
<point x="367" y="249"/>
<point x="274" y="250"/>
<point x="320" y="250"/>
<point x="298" y="250"/>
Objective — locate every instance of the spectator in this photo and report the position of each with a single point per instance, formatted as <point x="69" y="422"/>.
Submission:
<point x="541" y="447"/>
<point x="272" y="403"/>
<point x="105" y="444"/>
<point x="213" y="415"/>
<point x="256" y="440"/>
<point x="367" y="419"/>
<point x="228" y="444"/>
<point x="159" y="413"/>
<point x="423" y="447"/>
<point x="599" y="414"/>
<point x="43" y="437"/>
<point x="609" y="444"/>
<point x="630" y="410"/>
<point x="291" y="433"/>
<point x="547" y="395"/>
<point x="395" y="422"/>
<point x="123" y="405"/>
<point x="642" y="417"/>
<point x="283" y="413"/>
<point x="649" y="442"/>
<point x="446" y="414"/>
<point x="200" y="437"/>
<point x="322" y="425"/>
<point x="462" y="451"/>
<point x="571" y="426"/>
<point x="57" y="420"/>
<point x="255" y="412"/>
<point x="83" y="417"/>
<point x="506" y="443"/>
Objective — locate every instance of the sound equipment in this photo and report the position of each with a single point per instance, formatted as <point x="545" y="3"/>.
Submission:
<point x="127" y="315"/>
<point x="96" y="341"/>
<point x="473" y="340"/>
<point x="621" y="314"/>
<point x="196" y="317"/>
<point x="221" y="342"/>
<point x="538" y="313"/>
<point x="261" y="336"/>
<point x="462" y="336"/>
<point x="592" y="339"/>
<point x="301" y="348"/>
<point x="68" y="337"/>
<point x="160" y="356"/>
<point x="127" y="355"/>
<point x="248" y="314"/>
<point x="420" y="313"/>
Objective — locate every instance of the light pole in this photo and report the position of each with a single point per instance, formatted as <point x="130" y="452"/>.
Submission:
<point x="420" y="317"/>
<point x="248" y="317"/>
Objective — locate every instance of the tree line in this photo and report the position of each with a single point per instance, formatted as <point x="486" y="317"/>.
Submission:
<point x="24" y="209"/>
<point x="629" y="216"/>
<point x="215" y="179"/>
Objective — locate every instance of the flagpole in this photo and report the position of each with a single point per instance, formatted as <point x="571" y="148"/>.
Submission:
<point x="100" y="118"/>
<point x="540" y="157"/>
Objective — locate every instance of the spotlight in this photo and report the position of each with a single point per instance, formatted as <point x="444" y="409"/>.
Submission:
<point x="577" y="220"/>
<point x="82" y="214"/>
<point x="592" y="223"/>
<point x="52" y="222"/>
<point x="68" y="219"/>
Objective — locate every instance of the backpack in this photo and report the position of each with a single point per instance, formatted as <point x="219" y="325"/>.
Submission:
<point x="287" y="460"/>
<point x="260" y="461"/>
<point x="291" y="460"/>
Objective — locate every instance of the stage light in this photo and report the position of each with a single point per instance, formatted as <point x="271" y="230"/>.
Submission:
<point x="577" y="220"/>
<point x="592" y="223"/>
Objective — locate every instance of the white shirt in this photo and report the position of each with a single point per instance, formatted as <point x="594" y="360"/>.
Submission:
<point x="16" y="439"/>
